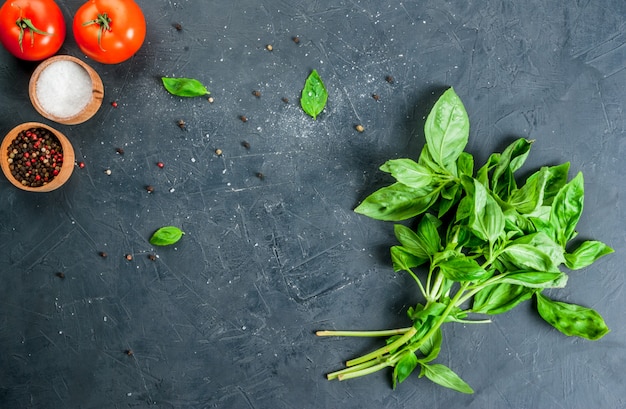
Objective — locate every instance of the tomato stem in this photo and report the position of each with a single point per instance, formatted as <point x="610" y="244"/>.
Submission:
<point x="104" y="24"/>
<point x="27" y="24"/>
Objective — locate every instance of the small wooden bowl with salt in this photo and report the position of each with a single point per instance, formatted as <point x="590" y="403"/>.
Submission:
<point x="66" y="90"/>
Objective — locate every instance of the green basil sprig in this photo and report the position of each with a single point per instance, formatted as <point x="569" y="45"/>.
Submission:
<point x="314" y="95"/>
<point x="484" y="241"/>
<point x="184" y="87"/>
<point x="166" y="236"/>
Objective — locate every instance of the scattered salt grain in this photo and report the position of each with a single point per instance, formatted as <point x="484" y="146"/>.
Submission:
<point x="64" y="88"/>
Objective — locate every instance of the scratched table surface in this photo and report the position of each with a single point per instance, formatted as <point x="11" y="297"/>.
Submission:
<point x="226" y="318"/>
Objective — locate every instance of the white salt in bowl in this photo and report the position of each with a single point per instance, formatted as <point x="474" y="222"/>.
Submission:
<point x="66" y="90"/>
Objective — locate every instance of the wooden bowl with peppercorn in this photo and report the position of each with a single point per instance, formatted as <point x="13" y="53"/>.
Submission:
<point x="66" y="90"/>
<point x="36" y="157"/>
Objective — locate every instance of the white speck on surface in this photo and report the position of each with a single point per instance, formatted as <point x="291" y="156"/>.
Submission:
<point x="64" y="89"/>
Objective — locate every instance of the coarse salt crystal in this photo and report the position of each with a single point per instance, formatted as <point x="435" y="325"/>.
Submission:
<point x="64" y="89"/>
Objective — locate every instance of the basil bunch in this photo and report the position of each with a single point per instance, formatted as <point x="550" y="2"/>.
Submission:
<point x="488" y="244"/>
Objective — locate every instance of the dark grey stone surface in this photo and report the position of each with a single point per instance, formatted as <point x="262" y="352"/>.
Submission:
<point x="226" y="318"/>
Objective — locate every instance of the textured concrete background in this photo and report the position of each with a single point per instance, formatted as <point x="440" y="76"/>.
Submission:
<point x="226" y="318"/>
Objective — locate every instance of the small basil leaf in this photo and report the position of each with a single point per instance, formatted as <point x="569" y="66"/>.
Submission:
<point x="314" y="95"/>
<point x="465" y="164"/>
<point x="557" y="178"/>
<point x="567" y="208"/>
<point x="511" y="159"/>
<point x="432" y="347"/>
<point x="403" y="259"/>
<point x="499" y="298"/>
<point x="482" y="175"/>
<point x="544" y="244"/>
<point x="530" y="196"/>
<point x="572" y="319"/>
<point x="184" y="87"/>
<point x="463" y="268"/>
<point x="528" y="257"/>
<point x="447" y="129"/>
<point x="486" y="218"/>
<point x="397" y="202"/>
<point x="586" y="254"/>
<point x="444" y="376"/>
<point x="408" y="172"/>
<point x="536" y="279"/>
<point x="404" y="367"/>
<point x="166" y="236"/>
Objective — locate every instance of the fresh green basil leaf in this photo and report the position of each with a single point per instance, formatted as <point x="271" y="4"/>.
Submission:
<point x="428" y="162"/>
<point x="463" y="268"/>
<point x="536" y="279"/>
<point x="412" y="242"/>
<point x="408" y="172"/>
<point x="529" y="197"/>
<point x="586" y="254"/>
<point x="465" y="164"/>
<point x="545" y="244"/>
<point x="397" y="202"/>
<point x="450" y="196"/>
<point x="557" y="178"/>
<point x="483" y="173"/>
<point x="517" y="224"/>
<point x="447" y="129"/>
<point x="486" y="219"/>
<point x="403" y="260"/>
<point x="314" y="95"/>
<point x="431" y="347"/>
<point x="528" y="257"/>
<point x="567" y="208"/>
<point x="184" y="87"/>
<point x="572" y="319"/>
<point x="444" y="376"/>
<point x="166" y="236"/>
<point x="499" y="298"/>
<point x="511" y="159"/>
<point x="404" y="367"/>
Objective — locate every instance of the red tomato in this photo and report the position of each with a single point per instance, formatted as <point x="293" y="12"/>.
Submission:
<point x="31" y="29"/>
<point x="109" y="31"/>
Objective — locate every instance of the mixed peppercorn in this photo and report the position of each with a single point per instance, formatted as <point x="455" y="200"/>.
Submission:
<point x="35" y="157"/>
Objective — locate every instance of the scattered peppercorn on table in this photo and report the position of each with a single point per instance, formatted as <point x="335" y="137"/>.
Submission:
<point x="208" y="231"/>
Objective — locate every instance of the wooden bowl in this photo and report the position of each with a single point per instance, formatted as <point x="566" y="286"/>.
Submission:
<point x="66" y="168"/>
<point x="52" y="98"/>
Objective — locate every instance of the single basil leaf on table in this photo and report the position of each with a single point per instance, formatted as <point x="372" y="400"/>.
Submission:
<point x="447" y="129"/>
<point x="184" y="87"/>
<point x="314" y="95"/>
<point x="572" y="319"/>
<point x="166" y="236"/>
